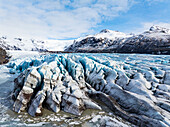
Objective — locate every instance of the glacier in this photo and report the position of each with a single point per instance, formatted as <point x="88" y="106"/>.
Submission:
<point x="135" y="87"/>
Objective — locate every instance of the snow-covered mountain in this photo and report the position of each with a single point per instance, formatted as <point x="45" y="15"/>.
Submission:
<point x="109" y="34"/>
<point x="155" y="40"/>
<point x="32" y="44"/>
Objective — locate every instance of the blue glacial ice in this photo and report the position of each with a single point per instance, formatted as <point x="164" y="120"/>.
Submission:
<point x="135" y="87"/>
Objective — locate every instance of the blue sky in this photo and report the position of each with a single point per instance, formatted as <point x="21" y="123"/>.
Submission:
<point x="70" y="19"/>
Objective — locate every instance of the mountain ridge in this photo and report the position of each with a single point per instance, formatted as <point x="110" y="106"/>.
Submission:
<point x="154" y="41"/>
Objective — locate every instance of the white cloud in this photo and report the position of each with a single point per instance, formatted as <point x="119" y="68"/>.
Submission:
<point x="56" y="18"/>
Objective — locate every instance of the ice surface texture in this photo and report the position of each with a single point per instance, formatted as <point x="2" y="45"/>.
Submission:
<point x="135" y="87"/>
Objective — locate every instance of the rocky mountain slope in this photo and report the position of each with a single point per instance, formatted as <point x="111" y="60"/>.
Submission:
<point x="156" y="41"/>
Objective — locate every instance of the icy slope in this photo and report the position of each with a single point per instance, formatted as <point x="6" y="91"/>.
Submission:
<point x="32" y="44"/>
<point x="134" y="87"/>
<point x="156" y="40"/>
<point x="57" y="45"/>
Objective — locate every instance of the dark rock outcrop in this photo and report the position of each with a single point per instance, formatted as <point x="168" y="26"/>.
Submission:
<point x="4" y="58"/>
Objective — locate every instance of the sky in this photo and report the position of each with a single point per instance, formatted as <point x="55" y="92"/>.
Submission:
<point x="70" y="19"/>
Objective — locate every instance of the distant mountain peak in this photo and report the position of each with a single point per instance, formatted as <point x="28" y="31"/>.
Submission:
<point x="108" y="31"/>
<point x="159" y="29"/>
<point x="105" y="31"/>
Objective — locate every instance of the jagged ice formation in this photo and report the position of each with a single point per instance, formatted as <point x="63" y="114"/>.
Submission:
<point x="135" y="88"/>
